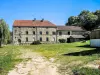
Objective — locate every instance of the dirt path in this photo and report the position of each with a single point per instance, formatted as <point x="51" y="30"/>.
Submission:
<point x="36" y="65"/>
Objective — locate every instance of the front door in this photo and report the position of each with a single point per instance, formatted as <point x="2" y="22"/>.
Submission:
<point x="68" y="40"/>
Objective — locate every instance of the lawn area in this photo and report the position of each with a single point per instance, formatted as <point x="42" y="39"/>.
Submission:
<point x="71" y="54"/>
<point x="59" y="51"/>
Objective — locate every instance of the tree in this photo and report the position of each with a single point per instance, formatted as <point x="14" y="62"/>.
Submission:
<point x="4" y="32"/>
<point x="88" y="20"/>
<point x="97" y="12"/>
<point x="85" y="19"/>
<point x="73" y="20"/>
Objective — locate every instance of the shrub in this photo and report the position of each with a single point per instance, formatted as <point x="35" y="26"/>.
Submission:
<point x="36" y="43"/>
<point x="86" y="71"/>
<point x="62" y="40"/>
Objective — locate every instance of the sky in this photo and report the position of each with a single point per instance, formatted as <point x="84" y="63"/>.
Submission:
<point x="56" y="11"/>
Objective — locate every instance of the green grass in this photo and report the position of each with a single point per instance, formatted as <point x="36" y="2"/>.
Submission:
<point x="8" y="54"/>
<point x="8" y="58"/>
<point x="57" y="50"/>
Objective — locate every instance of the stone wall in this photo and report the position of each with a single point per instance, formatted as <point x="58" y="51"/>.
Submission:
<point x="20" y="33"/>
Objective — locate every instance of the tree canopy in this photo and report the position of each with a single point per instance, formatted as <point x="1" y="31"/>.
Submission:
<point x="4" y="32"/>
<point x="86" y="19"/>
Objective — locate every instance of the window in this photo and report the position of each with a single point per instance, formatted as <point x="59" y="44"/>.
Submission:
<point x="46" y="27"/>
<point x="40" y="32"/>
<point x="27" y="32"/>
<point x="47" y="32"/>
<point x="26" y="39"/>
<point x="40" y="38"/>
<point x="68" y="33"/>
<point x="54" y="33"/>
<point x="15" y="31"/>
<point x="33" y="32"/>
<point x="33" y="27"/>
<point x="47" y="39"/>
<point x="60" y="33"/>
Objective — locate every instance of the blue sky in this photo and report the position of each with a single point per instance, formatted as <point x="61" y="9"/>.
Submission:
<point x="56" y="11"/>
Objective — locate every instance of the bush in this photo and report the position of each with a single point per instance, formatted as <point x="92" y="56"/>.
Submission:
<point x="36" y="43"/>
<point x="62" y="40"/>
<point x="86" y="71"/>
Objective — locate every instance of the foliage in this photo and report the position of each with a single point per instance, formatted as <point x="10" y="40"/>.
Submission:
<point x="73" y="20"/>
<point x="62" y="40"/>
<point x="4" y="32"/>
<point x="86" y="19"/>
<point x="86" y="71"/>
<point x="36" y="42"/>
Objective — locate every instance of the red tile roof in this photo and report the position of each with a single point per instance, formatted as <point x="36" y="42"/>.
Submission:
<point x="73" y="28"/>
<point x="33" y="23"/>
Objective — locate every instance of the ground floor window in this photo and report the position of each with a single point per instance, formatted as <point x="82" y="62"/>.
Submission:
<point x="40" y="38"/>
<point x="47" y="39"/>
<point x="26" y="39"/>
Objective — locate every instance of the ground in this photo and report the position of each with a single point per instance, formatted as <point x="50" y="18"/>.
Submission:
<point x="48" y="59"/>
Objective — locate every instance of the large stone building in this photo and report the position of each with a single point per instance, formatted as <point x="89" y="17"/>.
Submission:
<point x="27" y="31"/>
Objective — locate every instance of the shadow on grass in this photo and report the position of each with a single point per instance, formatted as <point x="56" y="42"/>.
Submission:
<point x="84" y="53"/>
<point x="85" y="46"/>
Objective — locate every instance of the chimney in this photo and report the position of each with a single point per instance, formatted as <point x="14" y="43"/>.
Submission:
<point x="42" y="20"/>
<point x="34" y="19"/>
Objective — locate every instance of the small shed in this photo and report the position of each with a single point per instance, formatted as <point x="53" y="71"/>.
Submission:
<point x="95" y="38"/>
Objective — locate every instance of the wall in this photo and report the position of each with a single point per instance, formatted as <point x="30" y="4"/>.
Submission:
<point x="95" y="42"/>
<point x="20" y="33"/>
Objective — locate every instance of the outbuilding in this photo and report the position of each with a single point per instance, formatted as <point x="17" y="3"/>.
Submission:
<point x="95" y="38"/>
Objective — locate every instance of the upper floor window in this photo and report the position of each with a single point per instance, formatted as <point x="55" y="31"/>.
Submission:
<point x="47" y="32"/>
<point x="60" y="33"/>
<point x="26" y="32"/>
<point x="47" y="39"/>
<point x="33" y="27"/>
<point x="46" y="27"/>
<point x="33" y="32"/>
<point x="69" y="33"/>
<point x="54" y="33"/>
<point x="40" y="32"/>
<point x="15" y="31"/>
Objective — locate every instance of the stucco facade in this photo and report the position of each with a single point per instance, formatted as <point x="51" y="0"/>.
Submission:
<point x="27" y="35"/>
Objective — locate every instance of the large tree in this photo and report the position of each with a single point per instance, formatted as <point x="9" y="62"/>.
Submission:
<point x="98" y="14"/>
<point x="73" y="20"/>
<point x="4" y="32"/>
<point x="88" y="20"/>
<point x="85" y="19"/>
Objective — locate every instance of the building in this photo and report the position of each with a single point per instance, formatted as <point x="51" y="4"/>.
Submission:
<point x="27" y="31"/>
<point x="95" y="38"/>
<point x="70" y="33"/>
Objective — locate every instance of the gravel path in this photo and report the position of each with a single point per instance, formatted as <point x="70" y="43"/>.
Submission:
<point x="36" y="65"/>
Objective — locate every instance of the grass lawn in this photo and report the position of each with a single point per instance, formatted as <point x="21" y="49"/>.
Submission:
<point x="60" y="51"/>
<point x="71" y="54"/>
